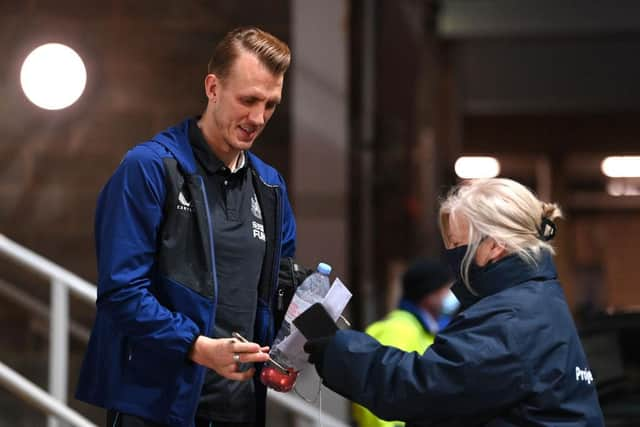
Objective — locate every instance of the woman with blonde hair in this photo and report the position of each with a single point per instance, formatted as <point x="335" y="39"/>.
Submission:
<point x="511" y="357"/>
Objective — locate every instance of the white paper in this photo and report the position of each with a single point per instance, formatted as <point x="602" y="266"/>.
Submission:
<point x="336" y="299"/>
<point x="292" y="347"/>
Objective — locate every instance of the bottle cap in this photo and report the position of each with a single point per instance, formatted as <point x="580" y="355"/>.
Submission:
<point x="324" y="268"/>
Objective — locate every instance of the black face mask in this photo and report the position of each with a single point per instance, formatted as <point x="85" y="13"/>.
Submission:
<point x="454" y="257"/>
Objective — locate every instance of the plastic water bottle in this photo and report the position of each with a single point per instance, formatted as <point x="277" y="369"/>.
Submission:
<point x="313" y="289"/>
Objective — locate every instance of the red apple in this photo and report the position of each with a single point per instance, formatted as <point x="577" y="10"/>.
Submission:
<point x="274" y="378"/>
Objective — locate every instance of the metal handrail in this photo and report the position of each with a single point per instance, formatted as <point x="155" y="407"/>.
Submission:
<point x="62" y="281"/>
<point x="26" y="257"/>
<point x="295" y="404"/>
<point x="32" y="304"/>
<point x="39" y="398"/>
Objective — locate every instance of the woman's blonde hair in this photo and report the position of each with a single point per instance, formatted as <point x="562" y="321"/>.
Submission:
<point x="503" y="210"/>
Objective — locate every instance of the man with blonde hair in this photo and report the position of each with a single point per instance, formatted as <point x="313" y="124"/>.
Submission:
<point x="190" y="231"/>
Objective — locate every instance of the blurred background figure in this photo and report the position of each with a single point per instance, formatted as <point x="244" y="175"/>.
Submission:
<point x="426" y="306"/>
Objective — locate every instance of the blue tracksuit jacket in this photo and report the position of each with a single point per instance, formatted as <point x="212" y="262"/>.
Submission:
<point x="157" y="284"/>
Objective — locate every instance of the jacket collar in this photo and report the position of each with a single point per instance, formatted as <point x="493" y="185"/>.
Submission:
<point x="509" y="272"/>
<point x="426" y="321"/>
<point x="176" y="140"/>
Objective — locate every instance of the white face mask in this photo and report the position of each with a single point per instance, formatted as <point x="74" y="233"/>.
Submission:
<point x="450" y="304"/>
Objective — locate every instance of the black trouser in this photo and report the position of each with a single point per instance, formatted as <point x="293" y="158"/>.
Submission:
<point x="118" y="419"/>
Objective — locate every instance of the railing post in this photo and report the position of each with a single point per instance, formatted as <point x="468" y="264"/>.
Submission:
<point x="58" y="345"/>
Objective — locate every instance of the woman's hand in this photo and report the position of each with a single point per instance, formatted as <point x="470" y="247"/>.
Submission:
<point x="316" y="348"/>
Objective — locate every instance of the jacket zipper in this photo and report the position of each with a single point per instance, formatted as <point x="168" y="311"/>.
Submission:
<point x="277" y="249"/>
<point x="197" y="390"/>
<point x="280" y="304"/>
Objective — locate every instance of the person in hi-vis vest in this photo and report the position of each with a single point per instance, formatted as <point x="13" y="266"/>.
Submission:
<point x="412" y="326"/>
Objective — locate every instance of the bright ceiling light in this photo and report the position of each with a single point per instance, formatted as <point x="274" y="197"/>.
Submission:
<point x="53" y="76"/>
<point x="622" y="188"/>
<point x="472" y="167"/>
<point x="621" y="166"/>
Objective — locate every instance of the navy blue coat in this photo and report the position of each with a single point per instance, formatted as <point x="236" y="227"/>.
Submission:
<point x="511" y="358"/>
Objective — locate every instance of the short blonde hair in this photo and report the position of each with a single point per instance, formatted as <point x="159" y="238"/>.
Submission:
<point x="505" y="211"/>
<point x="272" y="52"/>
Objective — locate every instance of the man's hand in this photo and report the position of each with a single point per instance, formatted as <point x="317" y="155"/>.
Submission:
<point x="224" y="355"/>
